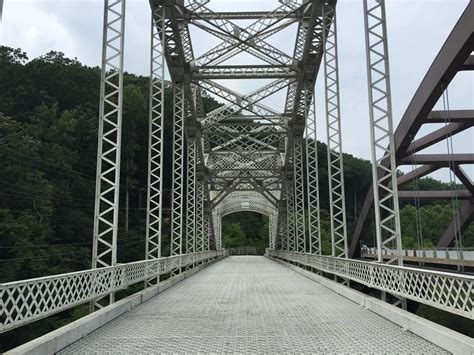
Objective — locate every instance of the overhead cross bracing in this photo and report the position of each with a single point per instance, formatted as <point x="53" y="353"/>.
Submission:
<point x="246" y="149"/>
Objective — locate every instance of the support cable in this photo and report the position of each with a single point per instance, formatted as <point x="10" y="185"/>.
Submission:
<point x="419" y="227"/>
<point x="453" y="181"/>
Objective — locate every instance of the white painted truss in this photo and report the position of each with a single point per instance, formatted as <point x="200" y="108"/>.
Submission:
<point x="245" y="155"/>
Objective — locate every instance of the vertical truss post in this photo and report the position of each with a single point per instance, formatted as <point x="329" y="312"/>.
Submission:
<point x="271" y="243"/>
<point x="337" y="206"/>
<point x="283" y="230"/>
<point x="199" y="216"/>
<point x="191" y="197"/>
<point x="155" y="141"/>
<point x="104" y="252"/>
<point x="384" y="168"/>
<point x="312" y="176"/>
<point x="290" y="214"/>
<point x="207" y="230"/>
<point x="272" y="231"/>
<point x="217" y="229"/>
<point x="300" y="238"/>
<point x="178" y="172"/>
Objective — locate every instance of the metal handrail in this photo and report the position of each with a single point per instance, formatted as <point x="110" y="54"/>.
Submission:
<point x="26" y="301"/>
<point x="448" y="291"/>
<point x="243" y="251"/>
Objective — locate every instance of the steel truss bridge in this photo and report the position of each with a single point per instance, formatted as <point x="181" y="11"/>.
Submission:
<point x="249" y="156"/>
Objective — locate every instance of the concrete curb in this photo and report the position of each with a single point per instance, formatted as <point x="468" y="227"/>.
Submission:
<point x="443" y="337"/>
<point x="58" y="339"/>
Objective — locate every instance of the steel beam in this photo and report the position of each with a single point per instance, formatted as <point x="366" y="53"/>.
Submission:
<point x="384" y="168"/>
<point x="337" y="206"/>
<point x="290" y="200"/>
<point x="454" y="52"/>
<point x="155" y="140"/>
<point x="242" y="15"/>
<point x="453" y="116"/>
<point x="176" y="243"/>
<point x="468" y="64"/>
<point x="200" y="216"/>
<point x="418" y="173"/>
<point x="464" y="178"/>
<point x="312" y="178"/>
<point x="104" y="246"/>
<point x="435" y="195"/>
<point x="447" y="63"/>
<point x="299" y="216"/>
<point x="244" y="71"/>
<point x="437" y="136"/>
<point x="465" y="218"/>
<point x="191" y="196"/>
<point x="438" y="159"/>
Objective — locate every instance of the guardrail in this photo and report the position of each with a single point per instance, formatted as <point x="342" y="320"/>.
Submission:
<point x="25" y="301"/>
<point x="243" y="251"/>
<point x="447" y="291"/>
<point x="445" y="253"/>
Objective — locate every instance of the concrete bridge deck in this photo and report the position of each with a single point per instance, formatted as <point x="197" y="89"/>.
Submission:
<point x="250" y="304"/>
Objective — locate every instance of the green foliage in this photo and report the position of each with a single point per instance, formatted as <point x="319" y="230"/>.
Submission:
<point x="433" y="221"/>
<point x="48" y="141"/>
<point x="241" y="229"/>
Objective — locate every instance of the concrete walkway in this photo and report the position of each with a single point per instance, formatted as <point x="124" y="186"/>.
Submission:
<point x="249" y="304"/>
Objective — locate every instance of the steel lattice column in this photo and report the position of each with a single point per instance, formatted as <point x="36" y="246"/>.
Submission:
<point x="217" y="229"/>
<point x="155" y="141"/>
<point x="271" y="243"/>
<point x="300" y="239"/>
<point x="312" y="176"/>
<point x="290" y="201"/>
<point x="178" y="172"/>
<point x="199" y="216"/>
<point x="283" y="229"/>
<point x="272" y="231"/>
<point x="207" y="230"/>
<point x="104" y="252"/>
<point x="337" y="206"/>
<point x="387" y="217"/>
<point x="191" y="197"/>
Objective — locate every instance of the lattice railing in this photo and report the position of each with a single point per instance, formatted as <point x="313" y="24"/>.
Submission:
<point x="447" y="291"/>
<point x="23" y="302"/>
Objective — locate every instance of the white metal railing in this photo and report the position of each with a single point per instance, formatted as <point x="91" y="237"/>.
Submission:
<point x="25" y="301"/>
<point x="447" y="291"/>
<point x="242" y="251"/>
<point x="438" y="253"/>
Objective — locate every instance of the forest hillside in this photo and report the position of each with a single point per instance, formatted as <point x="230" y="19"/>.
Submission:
<point x="48" y="140"/>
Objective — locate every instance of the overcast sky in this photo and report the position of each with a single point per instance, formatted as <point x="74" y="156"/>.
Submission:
<point x="416" y="28"/>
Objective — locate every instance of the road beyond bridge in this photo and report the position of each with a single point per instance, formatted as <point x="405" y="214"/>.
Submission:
<point x="250" y="304"/>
